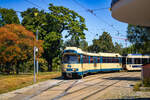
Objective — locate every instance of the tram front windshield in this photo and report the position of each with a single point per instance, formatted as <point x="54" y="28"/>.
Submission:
<point x="71" y="59"/>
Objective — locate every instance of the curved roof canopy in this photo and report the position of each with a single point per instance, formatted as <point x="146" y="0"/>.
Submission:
<point x="136" y="12"/>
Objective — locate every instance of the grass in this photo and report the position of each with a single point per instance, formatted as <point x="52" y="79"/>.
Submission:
<point x="13" y="82"/>
<point x="142" y="87"/>
<point x="146" y="82"/>
<point x="137" y="86"/>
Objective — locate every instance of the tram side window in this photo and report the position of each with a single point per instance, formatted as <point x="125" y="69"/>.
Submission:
<point x="110" y="60"/>
<point x="107" y="59"/>
<point x="137" y="61"/>
<point x="115" y="60"/>
<point x="91" y="59"/>
<point x="98" y="59"/>
<point x="118" y="60"/>
<point x="85" y="59"/>
<point x="94" y="59"/>
<point x="104" y="60"/>
<point x="129" y="60"/>
<point x="145" y="60"/>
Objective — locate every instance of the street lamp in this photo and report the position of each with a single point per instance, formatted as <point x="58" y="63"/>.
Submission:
<point x="35" y="50"/>
<point x="36" y="65"/>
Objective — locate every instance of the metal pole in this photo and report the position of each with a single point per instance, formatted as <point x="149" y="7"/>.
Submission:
<point x="37" y="51"/>
<point x="37" y="64"/>
<point x="37" y="31"/>
<point x="34" y="65"/>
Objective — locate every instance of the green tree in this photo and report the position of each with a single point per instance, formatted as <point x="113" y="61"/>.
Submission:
<point x="103" y="44"/>
<point x="106" y="44"/>
<point x="8" y="16"/>
<point x="51" y="26"/>
<point x="95" y="47"/>
<point x="118" y="48"/>
<point x="34" y="20"/>
<point x="83" y="45"/>
<point x="72" y="43"/>
<point x="52" y="47"/>
<point x="140" y="38"/>
<point x="68" y="20"/>
<point x="56" y="64"/>
<point x="129" y="50"/>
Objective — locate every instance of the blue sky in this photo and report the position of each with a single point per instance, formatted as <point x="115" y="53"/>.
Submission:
<point x="95" y="25"/>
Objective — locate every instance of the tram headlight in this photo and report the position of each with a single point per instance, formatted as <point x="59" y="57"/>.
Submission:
<point x="75" y="69"/>
<point x="63" y="69"/>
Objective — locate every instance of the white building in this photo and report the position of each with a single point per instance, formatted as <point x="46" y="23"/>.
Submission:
<point x="136" y="12"/>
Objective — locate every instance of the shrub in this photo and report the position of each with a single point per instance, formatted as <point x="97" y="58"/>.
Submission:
<point x="137" y="86"/>
<point x="146" y="82"/>
<point x="43" y="65"/>
<point x="56" y="64"/>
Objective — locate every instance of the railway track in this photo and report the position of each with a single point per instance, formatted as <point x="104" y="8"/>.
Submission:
<point x="101" y="90"/>
<point x="81" y="88"/>
<point x="66" y="93"/>
<point x="60" y="83"/>
<point x="77" y="82"/>
<point x="105" y="87"/>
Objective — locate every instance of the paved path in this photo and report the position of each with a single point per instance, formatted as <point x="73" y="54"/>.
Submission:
<point x="118" y="85"/>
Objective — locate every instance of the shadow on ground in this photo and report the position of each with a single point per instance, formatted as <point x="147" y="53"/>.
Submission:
<point x="132" y="99"/>
<point x="89" y="74"/>
<point x="61" y="78"/>
<point x="124" y="78"/>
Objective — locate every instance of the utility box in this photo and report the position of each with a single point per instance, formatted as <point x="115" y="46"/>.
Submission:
<point x="146" y="71"/>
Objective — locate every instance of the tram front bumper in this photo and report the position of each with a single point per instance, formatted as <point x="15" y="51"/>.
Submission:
<point x="71" y="74"/>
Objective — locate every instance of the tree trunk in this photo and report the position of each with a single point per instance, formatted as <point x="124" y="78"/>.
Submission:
<point x="17" y="68"/>
<point x="50" y="65"/>
<point x="7" y="68"/>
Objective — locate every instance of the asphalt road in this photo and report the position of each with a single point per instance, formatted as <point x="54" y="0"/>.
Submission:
<point x="100" y="86"/>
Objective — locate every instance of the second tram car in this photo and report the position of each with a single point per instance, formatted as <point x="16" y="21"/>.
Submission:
<point x="134" y="61"/>
<point x="76" y="62"/>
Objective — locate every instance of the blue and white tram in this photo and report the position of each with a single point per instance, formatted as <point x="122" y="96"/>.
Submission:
<point x="76" y="62"/>
<point x="134" y="61"/>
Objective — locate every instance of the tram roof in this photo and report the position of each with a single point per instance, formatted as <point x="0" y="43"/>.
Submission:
<point x="110" y="54"/>
<point x="138" y="56"/>
<point x="78" y="50"/>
